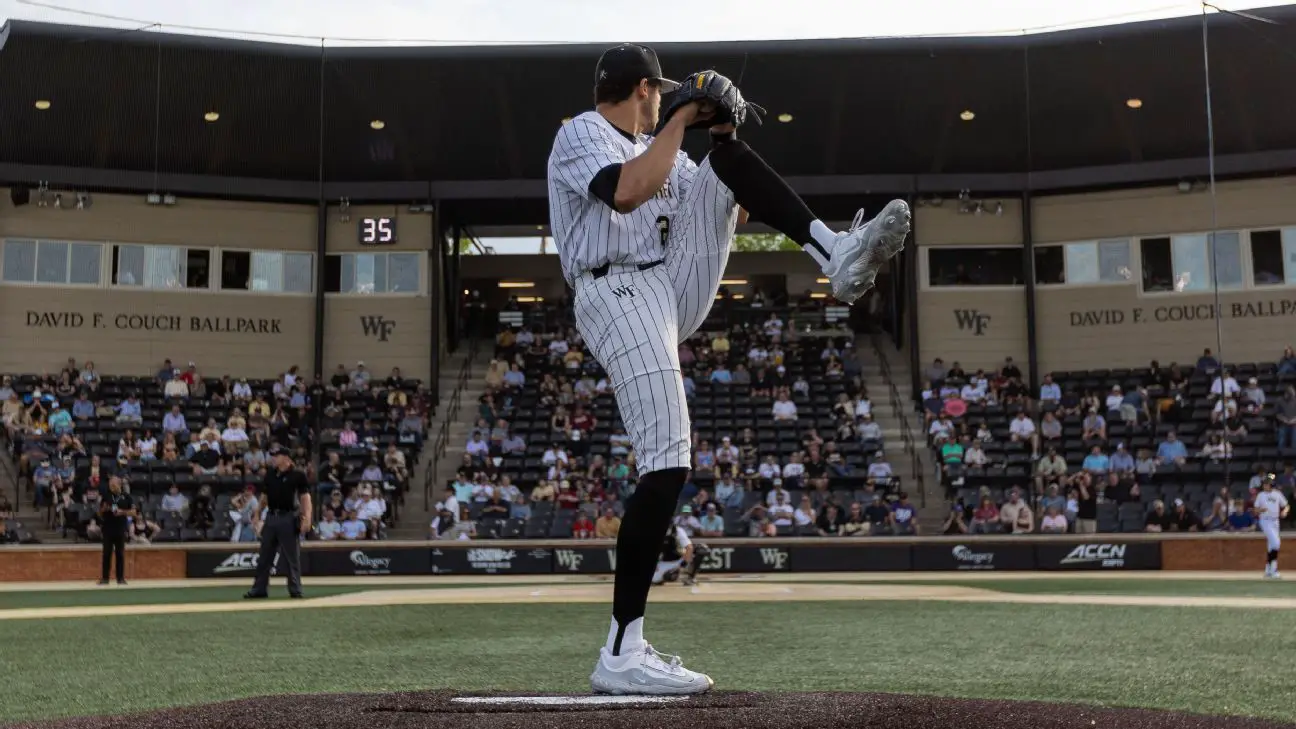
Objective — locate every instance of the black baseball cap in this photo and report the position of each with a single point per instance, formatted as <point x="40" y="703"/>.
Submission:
<point x="277" y="450"/>
<point x="631" y="62"/>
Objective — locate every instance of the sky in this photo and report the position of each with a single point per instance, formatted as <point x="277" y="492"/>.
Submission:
<point x="426" y="22"/>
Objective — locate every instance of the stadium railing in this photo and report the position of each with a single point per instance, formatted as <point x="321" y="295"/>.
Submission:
<point x="451" y="412"/>
<point x="901" y="409"/>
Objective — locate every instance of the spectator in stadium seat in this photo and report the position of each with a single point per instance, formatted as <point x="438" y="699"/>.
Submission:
<point x="1207" y="362"/>
<point x="1051" y="469"/>
<point x="1253" y="396"/>
<point x="1022" y="430"/>
<point x="60" y="420"/>
<point x="952" y="453"/>
<point x="359" y="378"/>
<point x="985" y="518"/>
<point x="1053" y="522"/>
<point x="329" y="528"/>
<point x="1287" y="363"/>
<point x="904" y="516"/>
<point x="954" y="523"/>
<point x="1157" y="520"/>
<point x="880" y="470"/>
<point x="830" y="522"/>
<point x="935" y="373"/>
<point x="1183" y="519"/>
<point x="879" y="515"/>
<point x="1094" y="427"/>
<point x="758" y="522"/>
<point x="206" y="461"/>
<point x="784" y="409"/>
<point x="1240" y="518"/>
<point x="354" y="529"/>
<point x="1097" y="462"/>
<point x="1049" y="391"/>
<point x="801" y="386"/>
<point x="728" y="493"/>
<point x="174" y="422"/>
<point x="1285" y="418"/>
<point x="1224" y="385"/>
<point x="793" y="471"/>
<point x="1121" y="462"/>
<point x="1216" y="448"/>
<point x="478" y="449"/>
<point x="242" y="391"/>
<point x="129" y="411"/>
<point x="1217" y="519"/>
<point x="1171" y="452"/>
<point x="1015" y="516"/>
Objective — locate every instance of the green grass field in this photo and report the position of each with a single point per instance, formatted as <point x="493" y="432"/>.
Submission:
<point x="1204" y="660"/>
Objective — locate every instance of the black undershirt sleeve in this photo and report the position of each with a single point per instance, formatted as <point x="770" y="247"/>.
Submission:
<point x="604" y="184"/>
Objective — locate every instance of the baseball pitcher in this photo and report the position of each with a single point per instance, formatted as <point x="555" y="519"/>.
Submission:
<point x="643" y="234"/>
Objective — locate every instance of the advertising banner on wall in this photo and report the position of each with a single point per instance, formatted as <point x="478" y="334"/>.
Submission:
<point x="491" y="561"/>
<point x="233" y="563"/>
<point x="375" y="561"/>
<point x="602" y="559"/>
<point x="1113" y="555"/>
<point x="974" y="555"/>
<point x="585" y="560"/>
<point x="852" y="558"/>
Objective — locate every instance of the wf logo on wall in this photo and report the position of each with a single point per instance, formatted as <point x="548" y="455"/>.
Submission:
<point x="972" y="320"/>
<point x="379" y="327"/>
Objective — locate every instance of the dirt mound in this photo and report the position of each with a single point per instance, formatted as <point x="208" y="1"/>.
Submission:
<point x="720" y="710"/>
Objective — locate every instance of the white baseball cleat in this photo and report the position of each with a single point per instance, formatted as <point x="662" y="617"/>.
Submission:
<point x="858" y="253"/>
<point x="1275" y="575"/>
<point x="646" y="672"/>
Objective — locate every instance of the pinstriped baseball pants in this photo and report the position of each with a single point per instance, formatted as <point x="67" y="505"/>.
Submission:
<point x="633" y="321"/>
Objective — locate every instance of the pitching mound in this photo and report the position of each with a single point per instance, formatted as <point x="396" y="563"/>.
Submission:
<point x="720" y="710"/>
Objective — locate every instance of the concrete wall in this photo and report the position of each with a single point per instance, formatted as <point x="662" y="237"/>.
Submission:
<point x="1117" y="325"/>
<point x="384" y="331"/>
<point x="977" y="327"/>
<point x="131" y="331"/>
<point x="1107" y="325"/>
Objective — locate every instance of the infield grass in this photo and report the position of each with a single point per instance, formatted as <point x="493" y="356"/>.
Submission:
<point x="1204" y="660"/>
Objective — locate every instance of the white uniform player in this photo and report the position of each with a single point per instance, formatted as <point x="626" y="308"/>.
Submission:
<point x="676" y="554"/>
<point x="643" y="234"/>
<point x="1271" y="508"/>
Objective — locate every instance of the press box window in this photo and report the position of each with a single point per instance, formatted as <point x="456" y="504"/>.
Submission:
<point x="1185" y="263"/>
<point x="161" y="267"/>
<point x="1273" y="257"/>
<point x="52" y="262"/>
<point x="974" y="266"/>
<point x="268" y="271"/>
<point x="372" y="273"/>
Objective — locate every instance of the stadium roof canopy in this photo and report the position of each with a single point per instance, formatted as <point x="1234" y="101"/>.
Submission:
<point x="475" y="124"/>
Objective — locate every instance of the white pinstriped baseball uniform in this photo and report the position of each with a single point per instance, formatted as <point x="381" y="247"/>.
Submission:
<point x="634" y="320"/>
<point x="1269" y="506"/>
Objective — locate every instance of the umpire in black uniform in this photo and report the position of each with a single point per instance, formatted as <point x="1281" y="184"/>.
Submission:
<point x="114" y="509"/>
<point x="288" y="499"/>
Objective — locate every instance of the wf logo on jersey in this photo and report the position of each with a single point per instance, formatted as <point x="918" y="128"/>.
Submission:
<point x="377" y="326"/>
<point x="624" y="292"/>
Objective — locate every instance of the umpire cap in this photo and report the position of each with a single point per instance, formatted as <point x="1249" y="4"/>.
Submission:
<point x="631" y="62"/>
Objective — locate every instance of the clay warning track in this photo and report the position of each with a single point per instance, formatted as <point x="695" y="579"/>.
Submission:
<point x="719" y="710"/>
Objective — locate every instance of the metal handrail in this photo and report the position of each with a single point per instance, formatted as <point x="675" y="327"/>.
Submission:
<point x="901" y="410"/>
<point x="451" y="413"/>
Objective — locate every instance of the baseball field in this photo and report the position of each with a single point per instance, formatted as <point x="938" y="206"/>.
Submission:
<point x="788" y="651"/>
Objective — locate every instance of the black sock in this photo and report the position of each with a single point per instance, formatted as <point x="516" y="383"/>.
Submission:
<point x="647" y="515"/>
<point x="1273" y="555"/>
<point x="762" y="192"/>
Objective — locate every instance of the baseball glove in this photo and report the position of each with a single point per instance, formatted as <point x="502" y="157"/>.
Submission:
<point x="715" y="91"/>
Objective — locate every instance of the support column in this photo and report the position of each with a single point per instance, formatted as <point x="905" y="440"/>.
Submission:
<point x="1028" y="272"/>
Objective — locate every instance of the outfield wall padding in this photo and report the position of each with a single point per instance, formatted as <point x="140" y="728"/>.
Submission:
<point x="1099" y="552"/>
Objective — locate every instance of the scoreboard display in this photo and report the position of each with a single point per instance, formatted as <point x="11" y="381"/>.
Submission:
<point x="377" y="231"/>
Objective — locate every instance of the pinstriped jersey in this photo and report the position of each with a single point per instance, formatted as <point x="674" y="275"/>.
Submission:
<point x="586" y="231"/>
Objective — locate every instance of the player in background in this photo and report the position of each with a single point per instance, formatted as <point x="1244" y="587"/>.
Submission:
<point x="643" y="235"/>
<point x="1271" y="508"/>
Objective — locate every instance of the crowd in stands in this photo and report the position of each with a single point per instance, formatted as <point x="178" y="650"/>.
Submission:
<point x="1155" y="449"/>
<point x="784" y="441"/>
<point x="193" y="450"/>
